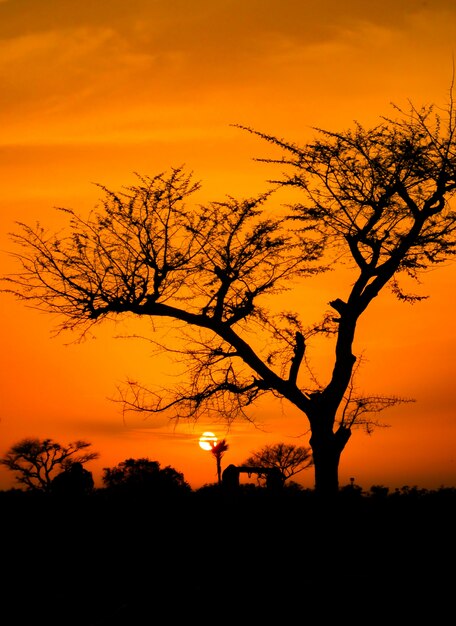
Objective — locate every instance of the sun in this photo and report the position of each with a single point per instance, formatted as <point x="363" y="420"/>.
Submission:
<point x="207" y="441"/>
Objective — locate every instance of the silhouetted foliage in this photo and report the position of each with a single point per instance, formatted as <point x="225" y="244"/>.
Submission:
<point x="36" y="461"/>
<point x="289" y="459"/>
<point x="379" y="491"/>
<point x="143" y="477"/>
<point x="352" y="490"/>
<point x="73" y="481"/>
<point x="372" y="201"/>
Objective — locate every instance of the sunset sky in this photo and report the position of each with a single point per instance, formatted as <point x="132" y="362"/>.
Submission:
<point x="92" y="92"/>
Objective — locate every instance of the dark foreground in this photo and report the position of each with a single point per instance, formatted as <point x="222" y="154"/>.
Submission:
<point x="272" y="559"/>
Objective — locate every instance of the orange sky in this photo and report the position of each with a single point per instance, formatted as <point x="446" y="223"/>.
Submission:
<point x="95" y="91"/>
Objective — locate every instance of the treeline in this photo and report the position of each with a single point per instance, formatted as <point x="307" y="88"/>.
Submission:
<point x="145" y="488"/>
<point x="47" y="471"/>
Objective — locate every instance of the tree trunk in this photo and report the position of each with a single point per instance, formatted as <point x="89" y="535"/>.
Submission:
<point x="326" y="449"/>
<point x="219" y="470"/>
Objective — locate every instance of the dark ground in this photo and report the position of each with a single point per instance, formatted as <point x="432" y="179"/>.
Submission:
<point x="227" y="560"/>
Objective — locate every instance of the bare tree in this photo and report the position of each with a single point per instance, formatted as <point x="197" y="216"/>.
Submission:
<point x="289" y="459"/>
<point x="374" y="200"/>
<point x="37" y="461"/>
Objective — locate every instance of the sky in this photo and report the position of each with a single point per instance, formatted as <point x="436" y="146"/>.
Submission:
<point x="94" y="92"/>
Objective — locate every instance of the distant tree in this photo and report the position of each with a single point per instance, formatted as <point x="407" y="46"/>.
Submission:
<point x="352" y="490"/>
<point x="218" y="450"/>
<point x="37" y="461"/>
<point x="75" y="480"/>
<point x="289" y="459"/>
<point x="372" y="203"/>
<point x="144" y="477"/>
<point x="379" y="491"/>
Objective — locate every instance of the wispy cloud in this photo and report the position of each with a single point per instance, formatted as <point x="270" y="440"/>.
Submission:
<point x="92" y="73"/>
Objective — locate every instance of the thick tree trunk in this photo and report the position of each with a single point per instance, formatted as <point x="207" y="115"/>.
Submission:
<point x="327" y="448"/>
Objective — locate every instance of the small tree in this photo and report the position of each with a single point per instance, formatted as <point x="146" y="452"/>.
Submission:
<point x="37" y="461"/>
<point x="289" y="459"/>
<point x="139" y="477"/>
<point x="218" y="450"/>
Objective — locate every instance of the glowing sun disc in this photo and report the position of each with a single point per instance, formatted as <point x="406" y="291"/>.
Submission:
<point x="207" y="441"/>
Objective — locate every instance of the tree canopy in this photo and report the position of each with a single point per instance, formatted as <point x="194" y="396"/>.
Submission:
<point x="289" y="459"/>
<point x="143" y="477"/>
<point x="375" y="201"/>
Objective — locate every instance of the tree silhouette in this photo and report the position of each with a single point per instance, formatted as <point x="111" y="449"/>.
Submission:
<point x="75" y="480"/>
<point x="218" y="450"/>
<point x="373" y="201"/>
<point x="37" y="461"/>
<point x="139" y="477"/>
<point x="289" y="459"/>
